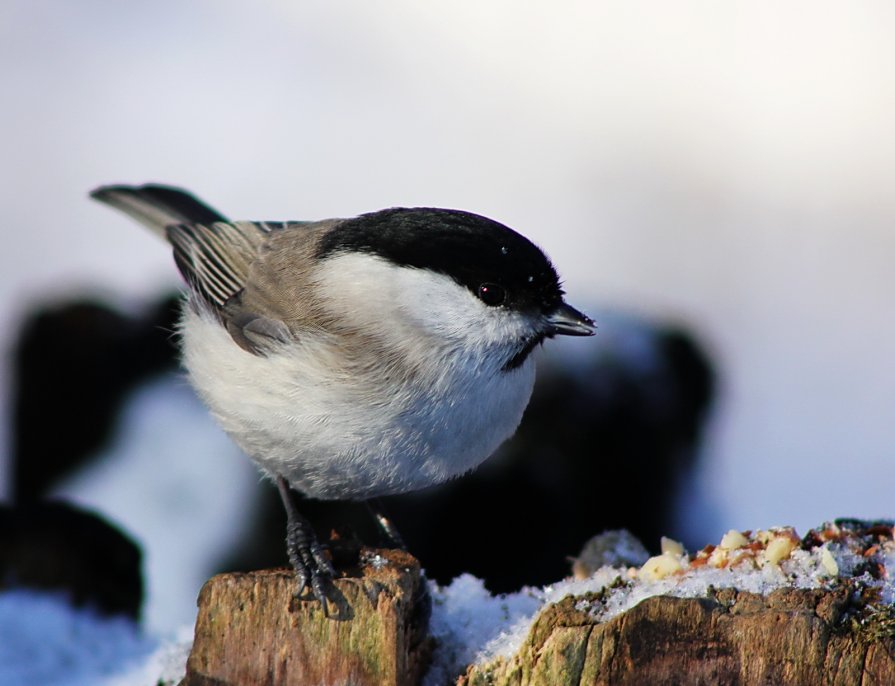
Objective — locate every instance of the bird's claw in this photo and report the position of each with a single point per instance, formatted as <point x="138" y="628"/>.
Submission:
<point x="312" y="566"/>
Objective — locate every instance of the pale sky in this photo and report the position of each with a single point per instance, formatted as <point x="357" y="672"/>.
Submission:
<point x="727" y="166"/>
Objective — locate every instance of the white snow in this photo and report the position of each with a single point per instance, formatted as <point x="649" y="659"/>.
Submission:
<point x="466" y="618"/>
<point x="45" y="640"/>
<point x="165" y="665"/>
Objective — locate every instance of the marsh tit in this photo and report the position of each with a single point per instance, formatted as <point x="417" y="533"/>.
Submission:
<point x="357" y="358"/>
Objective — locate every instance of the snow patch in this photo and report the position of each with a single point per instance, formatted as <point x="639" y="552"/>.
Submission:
<point x="467" y="621"/>
<point x="44" y="640"/>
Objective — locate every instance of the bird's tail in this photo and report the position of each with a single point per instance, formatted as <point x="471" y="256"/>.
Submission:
<point x="158" y="206"/>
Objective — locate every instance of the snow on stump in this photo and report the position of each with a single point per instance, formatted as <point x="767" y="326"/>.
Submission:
<point x="788" y="637"/>
<point x="764" y="607"/>
<point x="251" y="630"/>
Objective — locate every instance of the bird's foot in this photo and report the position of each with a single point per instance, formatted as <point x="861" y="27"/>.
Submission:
<point x="312" y="566"/>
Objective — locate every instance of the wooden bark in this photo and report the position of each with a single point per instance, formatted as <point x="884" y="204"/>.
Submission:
<point x="804" y="637"/>
<point x="252" y="631"/>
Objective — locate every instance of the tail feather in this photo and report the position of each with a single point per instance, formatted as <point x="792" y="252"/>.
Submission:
<point x="158" y="206"/>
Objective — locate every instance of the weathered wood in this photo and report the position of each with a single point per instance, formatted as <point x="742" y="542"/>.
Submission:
<point x="790" y="636"/>
<point x="252" y="631"/>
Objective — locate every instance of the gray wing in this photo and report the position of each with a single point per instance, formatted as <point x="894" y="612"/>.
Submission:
<point x="215" y="258"/>
<point x="217" y="261"/>
<point x="212" y="254"/>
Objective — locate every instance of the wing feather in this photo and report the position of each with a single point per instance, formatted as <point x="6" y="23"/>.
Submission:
<point x="215" y="258"/>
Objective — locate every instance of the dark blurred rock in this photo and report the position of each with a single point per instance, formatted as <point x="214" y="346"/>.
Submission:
<point x="54" y="546"/>
<point x="73" y="365"/>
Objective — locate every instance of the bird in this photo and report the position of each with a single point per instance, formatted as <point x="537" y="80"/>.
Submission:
<point x="361" y="357"/>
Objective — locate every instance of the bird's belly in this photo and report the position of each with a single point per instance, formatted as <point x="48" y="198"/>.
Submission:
<point x="333" y="438"/>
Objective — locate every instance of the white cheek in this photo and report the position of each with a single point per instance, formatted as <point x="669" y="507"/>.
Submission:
<point x="401" y="302"/>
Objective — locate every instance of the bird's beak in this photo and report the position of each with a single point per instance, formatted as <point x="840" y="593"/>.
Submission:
<point x="567" y="321"/>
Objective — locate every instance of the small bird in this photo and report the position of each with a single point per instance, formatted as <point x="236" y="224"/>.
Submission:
<point x="357" y="358"/>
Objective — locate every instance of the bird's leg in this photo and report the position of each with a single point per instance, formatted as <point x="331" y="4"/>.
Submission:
<point x="386" y="526"/>
<point x="312" y="567"/>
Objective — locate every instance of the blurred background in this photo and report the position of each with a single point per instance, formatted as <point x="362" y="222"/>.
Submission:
<point x="713" y="181"/>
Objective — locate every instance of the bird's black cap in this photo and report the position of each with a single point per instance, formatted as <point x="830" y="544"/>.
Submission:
<point x="471" y="249"/>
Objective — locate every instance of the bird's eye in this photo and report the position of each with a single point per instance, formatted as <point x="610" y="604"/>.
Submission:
<point x="492" y="294"/>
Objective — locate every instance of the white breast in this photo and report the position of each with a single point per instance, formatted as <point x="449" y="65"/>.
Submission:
<point x="336" y="435"/>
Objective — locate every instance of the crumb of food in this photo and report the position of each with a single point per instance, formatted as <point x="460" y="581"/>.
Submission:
<point x="663" y="565"/>
<point x="669" y="545"/>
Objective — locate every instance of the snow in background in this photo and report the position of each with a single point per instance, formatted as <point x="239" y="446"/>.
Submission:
<point x="174" y="481"/>
<point x="165" y="665"/>
<point x="44" y="641"/>
<point x="726" y="166"/>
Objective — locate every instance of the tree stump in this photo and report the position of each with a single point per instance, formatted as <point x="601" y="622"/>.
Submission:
<point x="250" y="630"/>
<point x="789" y="637"/>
